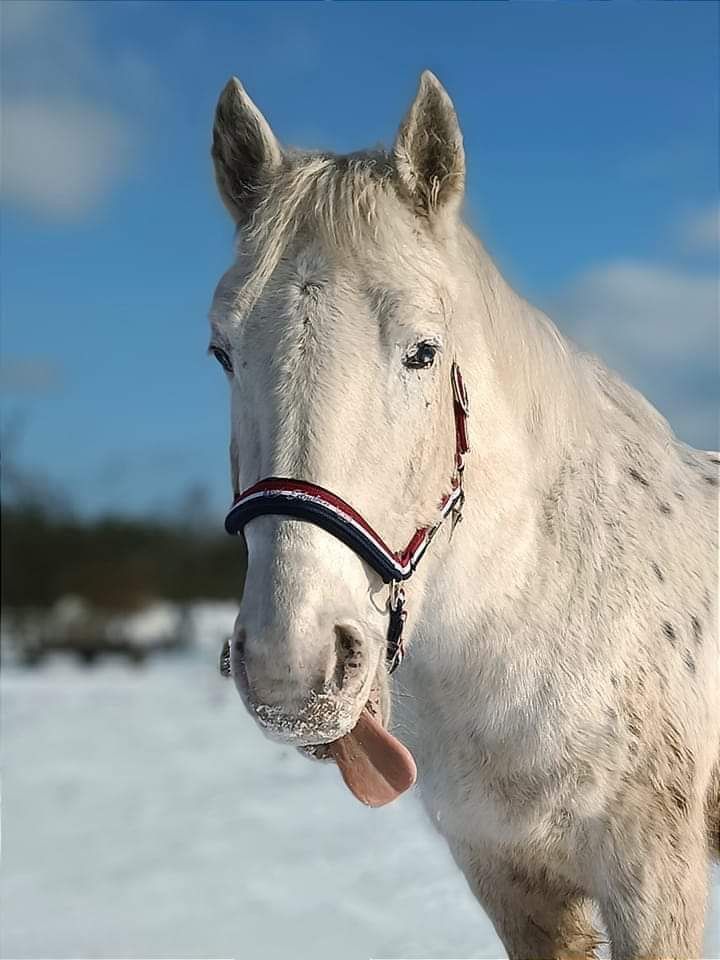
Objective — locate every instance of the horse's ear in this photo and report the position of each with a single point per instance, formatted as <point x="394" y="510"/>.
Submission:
<point x="245" y="151"/>
<point x="429" y="153"/>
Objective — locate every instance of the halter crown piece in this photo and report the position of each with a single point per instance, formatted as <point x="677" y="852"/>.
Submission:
<point x="303" y="500"/>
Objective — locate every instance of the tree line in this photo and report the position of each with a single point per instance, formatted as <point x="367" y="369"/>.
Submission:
<point x="112" y="562"/>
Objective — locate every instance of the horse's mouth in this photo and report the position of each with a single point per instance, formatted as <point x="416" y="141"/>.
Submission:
<point x="377" y="706"/>
<point x="375" y="766"/>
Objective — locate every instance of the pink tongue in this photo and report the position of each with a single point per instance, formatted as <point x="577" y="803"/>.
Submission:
<point x="375" y="766"/>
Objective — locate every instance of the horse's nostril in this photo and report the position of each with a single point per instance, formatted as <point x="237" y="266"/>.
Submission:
<point x="233" y="646"/>
<point x="349" y="654"/>
<point x="225" y="669"/>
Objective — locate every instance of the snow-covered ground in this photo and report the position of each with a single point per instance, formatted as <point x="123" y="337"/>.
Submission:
<point x="145" y="816"/>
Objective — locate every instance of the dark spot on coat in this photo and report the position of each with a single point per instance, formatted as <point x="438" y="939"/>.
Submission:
<point x="614" y="680"/>
<point x="669" y="632"/>
<point x="713" y="481"/>
<point x="679" y="799"/>
<point x="673" y="745"/>
<point x="548" y="517"/>
<point x="689" y="661"/>
<point x="714" y="460"/>
<point x="638" y="477"/>
<point x="633" y="723"/>
<point x="664" y="508"/>
<point x="658" y="572"/>
<point x="696" y="629"/>
<point x="680" y="496"/>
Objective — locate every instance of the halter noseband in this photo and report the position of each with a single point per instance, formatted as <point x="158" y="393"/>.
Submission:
<point x="303" y="500"/>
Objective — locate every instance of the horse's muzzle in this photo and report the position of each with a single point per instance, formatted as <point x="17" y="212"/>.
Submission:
<point x="290" y="712"/>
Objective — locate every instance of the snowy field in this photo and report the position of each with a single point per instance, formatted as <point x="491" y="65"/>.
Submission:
<point x="144" y="816"/>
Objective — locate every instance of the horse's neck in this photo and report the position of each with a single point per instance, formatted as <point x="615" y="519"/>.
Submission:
<point x="549" y="391"/>
<point x="547" y="404"/>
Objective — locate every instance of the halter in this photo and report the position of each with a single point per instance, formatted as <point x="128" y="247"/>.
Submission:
<point x="303" y="500"/>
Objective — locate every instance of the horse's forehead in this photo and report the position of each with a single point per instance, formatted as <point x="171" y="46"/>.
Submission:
<point x="374" y="277"/>
<point x="312" y="282"/>
<point x="354" y="268"/>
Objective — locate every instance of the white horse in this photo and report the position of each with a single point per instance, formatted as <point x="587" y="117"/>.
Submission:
<point x="561" y="689"/>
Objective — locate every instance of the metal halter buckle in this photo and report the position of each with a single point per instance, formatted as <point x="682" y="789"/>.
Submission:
<point x="457" y="510"/>
<point x="398" y="615"/>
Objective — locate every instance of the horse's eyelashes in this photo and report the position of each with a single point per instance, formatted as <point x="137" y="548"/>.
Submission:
<point x="421" y="356"/>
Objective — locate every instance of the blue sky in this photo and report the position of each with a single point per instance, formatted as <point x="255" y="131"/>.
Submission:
<point x="592" y="138"/>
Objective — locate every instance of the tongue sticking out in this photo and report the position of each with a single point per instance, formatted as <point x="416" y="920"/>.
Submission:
<point x="375" y="766"/>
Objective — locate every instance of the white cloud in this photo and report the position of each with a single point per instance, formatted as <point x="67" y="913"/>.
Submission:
<point x="658" y="327"/>
<point x="60" y="157"/>
<point x="700" y="232"/>
<point x="62" y="149"/>
<point x="642" y="312"/>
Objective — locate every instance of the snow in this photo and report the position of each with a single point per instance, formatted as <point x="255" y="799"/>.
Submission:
<point x="154" y="623"/>
<point x="210" y="623"/>
<point x="146" y="816"/>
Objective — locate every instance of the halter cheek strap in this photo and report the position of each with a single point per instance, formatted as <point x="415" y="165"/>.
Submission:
<point x="304" y="500"/>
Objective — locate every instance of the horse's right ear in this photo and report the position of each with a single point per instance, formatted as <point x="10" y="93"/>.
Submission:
<point x="245" y="151"/>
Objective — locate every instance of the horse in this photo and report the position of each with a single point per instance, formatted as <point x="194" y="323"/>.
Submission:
<point x="560" y="692"/>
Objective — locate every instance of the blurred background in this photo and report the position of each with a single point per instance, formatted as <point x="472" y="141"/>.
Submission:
<point x="144" y="816"/>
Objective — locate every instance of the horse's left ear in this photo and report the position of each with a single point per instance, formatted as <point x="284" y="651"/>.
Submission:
<point x="429" y="154"/>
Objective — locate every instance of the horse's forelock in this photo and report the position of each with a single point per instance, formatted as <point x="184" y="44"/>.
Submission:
<point x="338" y="200"/>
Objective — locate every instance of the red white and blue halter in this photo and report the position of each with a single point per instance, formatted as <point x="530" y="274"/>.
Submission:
<point x="303" y="500"/>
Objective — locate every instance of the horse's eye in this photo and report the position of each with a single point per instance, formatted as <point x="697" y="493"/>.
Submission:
<point x="421" y="356"/>
<point x="222" y="358"/>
